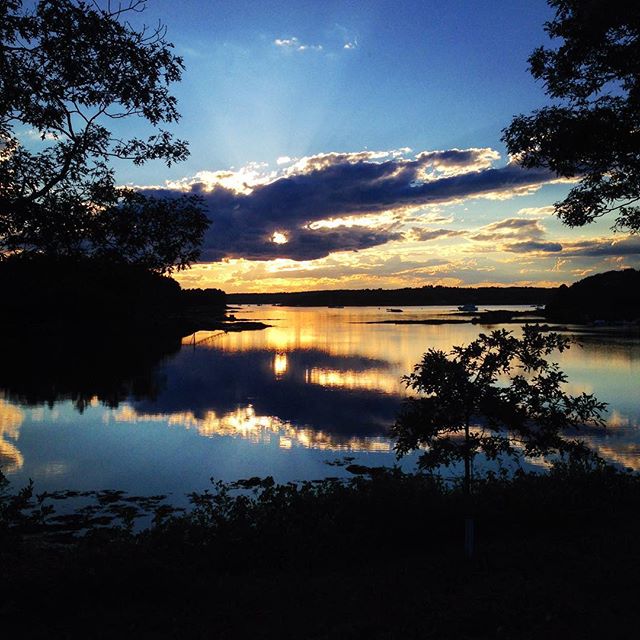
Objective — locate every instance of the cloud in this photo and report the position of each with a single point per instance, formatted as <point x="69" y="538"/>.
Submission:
<point x="341" y="40"/>
<point x="294" y="44"/>
<point x="537" y="211"/>
<point x="302" y="243"/>
<point x="514" y="224"/>
<point x="335" y="269"/>
<point x="509" y="229"/>
<point x="626" y="246"/>
<point x="452" y="161"/>
<point x="533" y="246"/>
<point x="35" y="134"/>
<point x="592" y="248"/>
<point x="248" y="206"/>
<point x="428" y="234"/>
<point x="346" y="36"/>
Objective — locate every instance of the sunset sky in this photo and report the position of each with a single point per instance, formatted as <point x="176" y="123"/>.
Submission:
<point x="357" y="144"/>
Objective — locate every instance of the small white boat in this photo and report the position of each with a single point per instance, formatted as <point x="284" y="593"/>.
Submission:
<point x="468" y="307"/>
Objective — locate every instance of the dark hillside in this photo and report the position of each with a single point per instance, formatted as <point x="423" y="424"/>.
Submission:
<point x="89" y="296"/>
<point x="613" y="295"/>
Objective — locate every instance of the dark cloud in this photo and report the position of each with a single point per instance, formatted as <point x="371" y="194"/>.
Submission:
<point x="342" y="185"/>
<point x="514" y="223"/>
<point x="598" y="247"/>
<point x="532" y="246"/>
<point x="426" y="234"/>
<point x="628" y="246"/>
<point x="302" y="244"/>
<point x="476" y="158"/>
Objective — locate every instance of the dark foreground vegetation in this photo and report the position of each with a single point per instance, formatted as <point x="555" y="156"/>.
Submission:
<point x="378" y="556"/>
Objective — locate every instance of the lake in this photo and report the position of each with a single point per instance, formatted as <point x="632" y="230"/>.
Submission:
<point x="318" y="385"/>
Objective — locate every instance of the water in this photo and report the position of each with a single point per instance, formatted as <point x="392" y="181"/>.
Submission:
<point x="320" y="384"/>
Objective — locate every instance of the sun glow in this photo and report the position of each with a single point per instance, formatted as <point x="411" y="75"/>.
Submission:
<point x="279" y="238"/>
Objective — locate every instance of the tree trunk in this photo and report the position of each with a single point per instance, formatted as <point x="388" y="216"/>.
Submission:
<point x="469" y="524"/>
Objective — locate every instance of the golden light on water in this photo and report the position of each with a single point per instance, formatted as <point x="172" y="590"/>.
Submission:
<point x="280" y="364"/>
<point x="11" y="419"/>
<point x="626" y="455"/>
<point x="338" y="332"/>
<point x="244" y="423"/>
<point x="370" y="380"/>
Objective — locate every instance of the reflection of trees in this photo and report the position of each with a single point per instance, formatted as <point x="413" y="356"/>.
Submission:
<point x="83" y="367"/>
<point x="10" y="420"/>
<point x="610" y="343"/>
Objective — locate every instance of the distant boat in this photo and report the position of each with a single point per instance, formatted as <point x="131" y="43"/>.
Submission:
<point x="468" y="307"/>
<point x="394" y="310"/>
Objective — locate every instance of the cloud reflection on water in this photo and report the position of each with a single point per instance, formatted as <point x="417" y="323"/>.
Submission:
<point x="260" y="429"/>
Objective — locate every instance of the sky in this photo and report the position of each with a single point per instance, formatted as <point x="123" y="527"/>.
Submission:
<point x="357" y="145"/>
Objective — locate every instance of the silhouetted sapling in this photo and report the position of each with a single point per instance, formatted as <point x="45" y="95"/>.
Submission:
<point x="498" y="396"/>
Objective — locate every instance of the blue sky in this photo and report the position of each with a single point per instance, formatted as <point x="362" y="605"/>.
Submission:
<point x="301" y="116"/>
<point x="427" y="75"/>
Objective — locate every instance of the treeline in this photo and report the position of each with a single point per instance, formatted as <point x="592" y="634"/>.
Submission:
<point x="427" y="295"/>
<point x="78" y="294"/>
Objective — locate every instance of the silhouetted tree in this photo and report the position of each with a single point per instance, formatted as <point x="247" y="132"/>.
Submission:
<point x="498" y="396"/>
<point x="69" y="72"/>
<point x="159" y="234"/>
<point x="592" y="133"/>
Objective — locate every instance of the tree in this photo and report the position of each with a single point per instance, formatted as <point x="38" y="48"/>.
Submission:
<point x="592" y="132"/>
<point x="70" y="72"/>
<point x="158" y="234"/>
<point x="498" y="396"/>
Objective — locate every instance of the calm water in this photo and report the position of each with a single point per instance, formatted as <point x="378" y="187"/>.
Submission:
<point x="318" y="385"/>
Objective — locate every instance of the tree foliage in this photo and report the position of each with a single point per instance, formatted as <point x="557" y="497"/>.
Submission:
<point x="70" y="72"/>
<point x="592" y="131"/>
<point x="499" y="396"/>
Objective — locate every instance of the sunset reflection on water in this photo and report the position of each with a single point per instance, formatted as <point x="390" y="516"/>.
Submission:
<point x="11" y="418"/>
<point x="276" y="402"/>
<point x="246" y="424"/>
